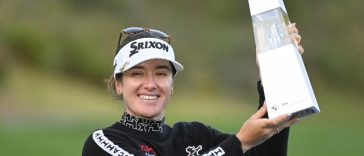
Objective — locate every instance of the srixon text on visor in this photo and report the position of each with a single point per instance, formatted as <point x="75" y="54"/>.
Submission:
<point x="136" y="46"/>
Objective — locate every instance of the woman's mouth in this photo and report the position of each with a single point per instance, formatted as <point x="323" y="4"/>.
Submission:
<point x="148" y="97"/>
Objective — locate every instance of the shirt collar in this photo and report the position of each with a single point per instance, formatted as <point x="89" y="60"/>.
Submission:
<point x="141" y="124"/>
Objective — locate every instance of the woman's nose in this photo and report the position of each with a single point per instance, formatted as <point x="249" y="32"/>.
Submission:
<point x="150" y="83"/>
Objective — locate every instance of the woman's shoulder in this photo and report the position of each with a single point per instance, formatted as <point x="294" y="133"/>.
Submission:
<point x="189" y="124"/>
<point x="103" y="135"/>
<point x="107" y="140"/>
<point x="193" y="126"/>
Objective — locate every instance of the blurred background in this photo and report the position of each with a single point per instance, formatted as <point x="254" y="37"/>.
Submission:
<point x="55" y="56"/>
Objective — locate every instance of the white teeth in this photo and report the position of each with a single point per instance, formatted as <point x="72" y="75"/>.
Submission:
<point x="147" y="97"/>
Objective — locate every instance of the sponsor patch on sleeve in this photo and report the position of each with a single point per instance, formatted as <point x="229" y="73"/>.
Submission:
<point x="103" y="142"/>
<point x="216" y="152"/>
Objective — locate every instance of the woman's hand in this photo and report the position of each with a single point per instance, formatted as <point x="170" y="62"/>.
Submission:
<point x="257" y="129"/>
<point x="295" y="36"/>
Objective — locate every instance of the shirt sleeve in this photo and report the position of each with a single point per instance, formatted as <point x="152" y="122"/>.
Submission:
<point x="213" y="141"/>
<point x="98" y="144"/>
<point x="277" y="144"/>
<point x="231" y="146"/>
<point x="90" y="148"/>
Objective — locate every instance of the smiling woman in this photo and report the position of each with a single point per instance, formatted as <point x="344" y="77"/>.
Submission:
<point x="144" y="72"/>
<point x="146" y="89"/>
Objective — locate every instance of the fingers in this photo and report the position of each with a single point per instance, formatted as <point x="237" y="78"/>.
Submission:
<point x="286" y="125"/>
<point x="292" y="28"/>
<point x="296" y="37"/>
<point x="280" y="120"/>
<point x="290" y="123"/>
<point x="273" y="126"/>
<point x="261" y="112"/>
<point x="300" y="49"/>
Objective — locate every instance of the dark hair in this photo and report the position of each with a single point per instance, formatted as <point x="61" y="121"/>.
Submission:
<point x="131" y="37"/>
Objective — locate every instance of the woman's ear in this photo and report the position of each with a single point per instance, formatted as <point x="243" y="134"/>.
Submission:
<point x="119" y="88"/>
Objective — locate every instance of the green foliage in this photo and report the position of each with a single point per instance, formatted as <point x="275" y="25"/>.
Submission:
<point x="78" y="38"/>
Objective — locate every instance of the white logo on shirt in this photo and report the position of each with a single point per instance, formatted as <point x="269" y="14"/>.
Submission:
<point x="103" y="142"/>
<point x="193" y="151"/>
<point x="216" y="152"/>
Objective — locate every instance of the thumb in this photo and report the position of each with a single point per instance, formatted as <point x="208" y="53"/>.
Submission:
<point x="261" y="112"/>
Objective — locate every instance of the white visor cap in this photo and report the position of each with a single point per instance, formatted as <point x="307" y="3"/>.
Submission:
<point x="141" y="50"/>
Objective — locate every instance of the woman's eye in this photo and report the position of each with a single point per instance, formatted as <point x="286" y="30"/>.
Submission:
<point x="162" y="73"/>
<point x="136" y="73"/>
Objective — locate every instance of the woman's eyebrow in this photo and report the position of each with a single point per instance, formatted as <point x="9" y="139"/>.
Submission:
<point x="138" y="67"/>
<point x="163" y="67"/>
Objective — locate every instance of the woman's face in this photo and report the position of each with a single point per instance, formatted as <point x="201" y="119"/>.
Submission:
<point x="146" y="88"/>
